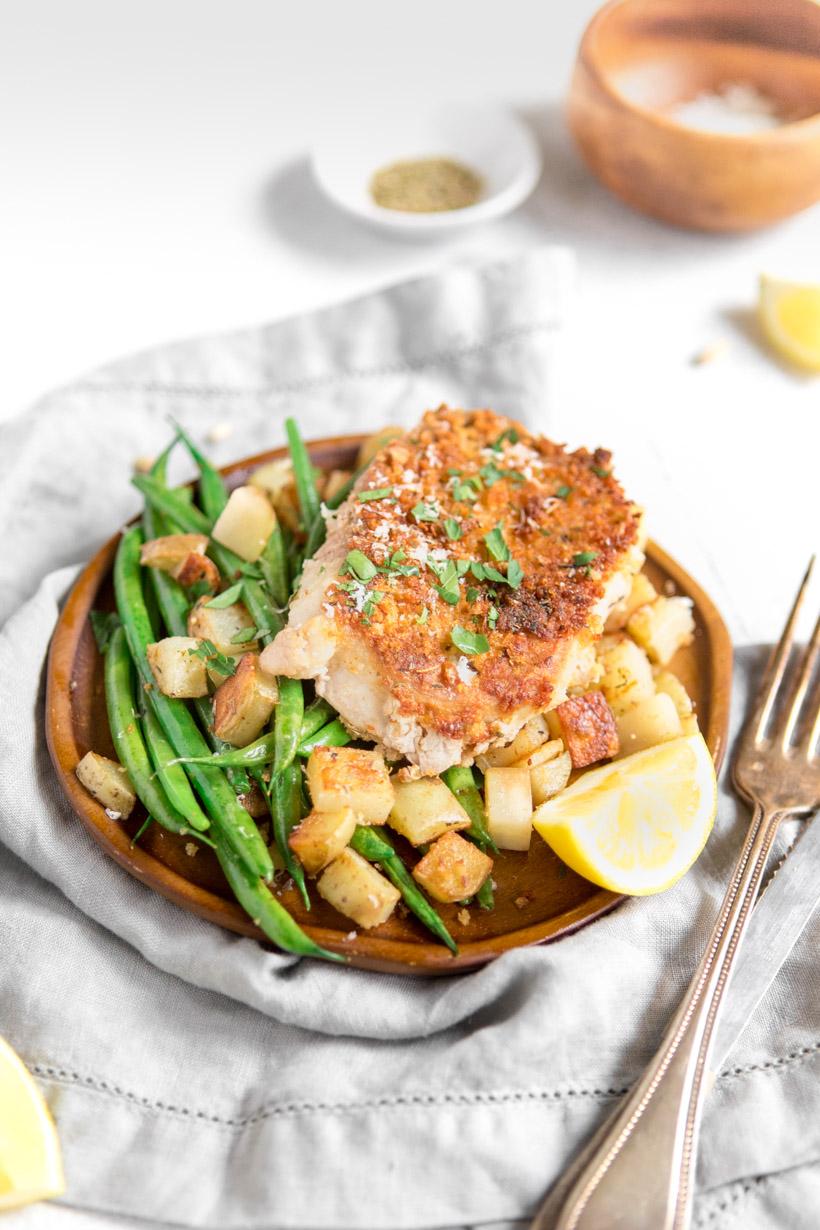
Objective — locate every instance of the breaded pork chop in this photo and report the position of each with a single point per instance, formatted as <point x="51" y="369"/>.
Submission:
<point x="461" y="586"/>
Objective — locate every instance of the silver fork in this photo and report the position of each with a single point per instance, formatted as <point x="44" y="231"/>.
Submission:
<point x="637" y="1171"/>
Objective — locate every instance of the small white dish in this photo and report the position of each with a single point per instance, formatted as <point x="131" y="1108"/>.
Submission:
<point x="489" y="140"/>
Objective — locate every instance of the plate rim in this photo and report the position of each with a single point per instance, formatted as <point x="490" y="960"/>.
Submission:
<point x="367" y="951"/>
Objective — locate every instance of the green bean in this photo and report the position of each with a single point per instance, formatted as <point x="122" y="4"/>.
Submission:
<point x="461" y="782"/>
<point x="142" y="829"/>
<point x="318" y="527"/>
<point x="287" y="722"/>
<point x="212" y="490"/>
<point x="127" y="737"/>
<point x="486" y="894"/>
<point x="229" y="818"/>
<point x="274" y="568"/>
<point x="285" y="797"/>
<point x="268" y="913"/>
<point x="253" y="755"/>
<point x="303" y="475"/>
<point x="173" y="604"/>
<point x="171" y="776"/>
<point x="332" y="735"/>
<point x="317" y="714"/>
<point x="373" y="844"/>
<point x="190" y="520"/>
<point x="263" y="614"/>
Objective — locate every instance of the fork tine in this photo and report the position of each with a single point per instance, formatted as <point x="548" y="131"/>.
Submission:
<point x="778" y="662"/>
<point x="802" y="685"/>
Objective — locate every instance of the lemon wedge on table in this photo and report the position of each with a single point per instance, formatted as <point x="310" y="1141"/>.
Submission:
<point x="30" y="1165"/>
<point x="790" y="316"/>
<point x="636" y="825"/>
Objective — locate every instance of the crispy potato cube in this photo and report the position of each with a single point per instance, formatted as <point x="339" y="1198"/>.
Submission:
<point x="547" y="751"/>
<point x="356" y="889"/>
<point x="321" y="837"/>
<point x="663" y="627"/>
<point x="246" y="522"/>
<point x="177" y="669"/>
<point x="244" y="702"/>
<point x="452" y="868"/>
<point x="196" y="569"/>
<point x="108" y="782"/>
<point x="548" y="778"/>
<point x="424" y="809"/>
<point x="170" y="552"/>
<point x="508" y="801"/>
<point x="373" y="444"/>
<point x="340" y="777"/>
<point x="531" y="735"/>
<point x="642" y="591"/>
<point x="666" y="682"/>
<point x="276" y="478"/>
<point x="336" y="479"/>
<point x="652" y="721"/>
<point x="220" y="626"/>
<point x="587" y="728"/>
<point x="627" y="672"/>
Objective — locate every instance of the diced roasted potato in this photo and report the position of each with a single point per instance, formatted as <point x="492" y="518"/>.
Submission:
<point x="244" y="702"/>
<point x="221" y="625"/>
<point x="340" y="777"/>
<point x="642" y="591"/>
<point x="424" y="809"/>
<point x="171" y="551"/>
<point x="372" y="444"/>
<point x="652" y="721"/>
<point x="246" y="523"/>
<point x="531" y="735"/>
<point x="548" y="778"/>
<point x="276" y="477"/>
<point x="547" y="751"/>
<point x="108" y="782"/>
<point x="663" y="627"/>
<point x="198" y="569"/>
<point x="336" y="479"/>
<point x="452" y="869"/>
<point x="627" y="672"/>
<point x="508" y="800"/>
<point x="588" y="728"/>
<point x="666" y="682"/>
<point x="321" y="837"/>
<point x="356" y="889"/>
<point x="178" y="670"/>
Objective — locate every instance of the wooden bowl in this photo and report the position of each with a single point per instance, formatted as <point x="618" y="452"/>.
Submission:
<point x="639" y="58"/>
<point x="538" y="897"/>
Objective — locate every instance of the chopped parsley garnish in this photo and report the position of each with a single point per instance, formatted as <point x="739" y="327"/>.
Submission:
<point x="227" y="598"/>
<point x="447" y="574"/>
<point x="472" y="594"/>
<point x="424" y="512"/>
<point x="453" y="529"/>
<point x="491" y="474"/>
<point x="486" y="572"/>
<point x="395" y="566"/>
<point x="357" y="563"/>
<point x="583" y="558"/>
<point x="515" y="574"/>
<point x="469" y="642"/>
<point x="374" y="596"/>
<point x="453" y="473"/>
<point x="601" y="473"/>
<point x="244" y="635"/>
<point x="466" y="491"/>
<point x="375" y="493"/>
<point x="563" y="491"/>
<point x="104" y="624"/>
<point x="496" y="545"/>
<point x="510" y="434"/>
<point x="423" y="617"/>
<point x="492" y="616"/>
<point x="221" y="662"/>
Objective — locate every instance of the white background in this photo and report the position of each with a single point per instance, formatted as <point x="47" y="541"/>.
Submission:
<point x="155" y="186"/>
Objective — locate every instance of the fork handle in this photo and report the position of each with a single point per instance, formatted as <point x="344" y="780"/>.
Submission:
<point x="636" y="1171"/>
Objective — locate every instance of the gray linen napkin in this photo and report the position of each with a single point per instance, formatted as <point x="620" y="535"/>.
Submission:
<point x="198" y="1080"/>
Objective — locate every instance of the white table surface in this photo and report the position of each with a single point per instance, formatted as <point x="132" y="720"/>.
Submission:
<point x="156" y="186"/>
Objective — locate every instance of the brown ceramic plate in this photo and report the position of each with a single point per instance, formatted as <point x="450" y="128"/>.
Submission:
<point x="538" y="898"/>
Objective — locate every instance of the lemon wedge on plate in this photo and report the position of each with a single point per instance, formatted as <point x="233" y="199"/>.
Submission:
<point x="636" y="825"/>
<point x="790" y="316"/>
<point x="30" y="1165"/>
